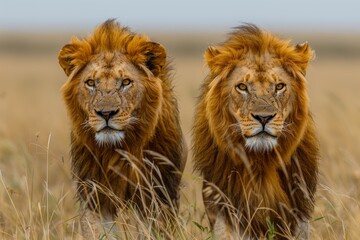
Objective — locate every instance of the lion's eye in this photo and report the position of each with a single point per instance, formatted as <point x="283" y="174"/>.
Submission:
<point x="126" y="82"/>
<point x="242" y="87"/>
<point x="279" y="86"/>
<point x="90" y="83"/>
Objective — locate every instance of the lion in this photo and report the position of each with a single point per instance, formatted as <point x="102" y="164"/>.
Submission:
<point x="254" y="140"/>
<point x="127" y="146"/>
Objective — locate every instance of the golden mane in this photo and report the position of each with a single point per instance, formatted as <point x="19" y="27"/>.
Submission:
<point x="250" y="38"/>
<point x="108" y="37"/>
<point x="281" y="180"/>
<point x="109" y="176"/>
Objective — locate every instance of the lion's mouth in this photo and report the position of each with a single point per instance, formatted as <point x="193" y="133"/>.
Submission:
<point x="261" y="134"/>
<point x="261" y="140"/>
<point x="107" y="129"/>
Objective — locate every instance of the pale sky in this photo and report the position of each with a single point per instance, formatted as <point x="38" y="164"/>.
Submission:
<point x="56" y="15"/>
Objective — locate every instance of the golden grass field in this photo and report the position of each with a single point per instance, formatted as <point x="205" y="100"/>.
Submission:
<point x="36" y="190"/>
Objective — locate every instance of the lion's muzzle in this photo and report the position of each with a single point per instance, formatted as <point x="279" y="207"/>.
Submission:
<point x="108" y="130"/>
<point x="262" y="133"/>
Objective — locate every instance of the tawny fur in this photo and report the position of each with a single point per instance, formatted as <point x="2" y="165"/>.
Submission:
<point x="248" y="187"/>
<point x="109" y="175"/>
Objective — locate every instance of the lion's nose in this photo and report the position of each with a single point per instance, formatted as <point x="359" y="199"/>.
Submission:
<point x="263" y="119"/>
<point x="107" y="115"/>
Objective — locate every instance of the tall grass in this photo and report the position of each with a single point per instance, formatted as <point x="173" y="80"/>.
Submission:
<point x="36" y="194"/>
<point x="38" y="202"/>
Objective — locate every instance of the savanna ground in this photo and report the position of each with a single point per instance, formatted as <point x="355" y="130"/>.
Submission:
<point x="36" y="189"/>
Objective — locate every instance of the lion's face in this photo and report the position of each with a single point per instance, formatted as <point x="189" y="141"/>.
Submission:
<point x="260" y="102"/>
<point x="256" y="90"/>
<point x="113" y="91"/>
<point x="110" y="90"/>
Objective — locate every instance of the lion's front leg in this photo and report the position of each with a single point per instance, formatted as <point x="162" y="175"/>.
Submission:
<point x="303" y="231"/>
<point x="212" y="200"/>
<point x="221" y="214"/>
<point x="222" y="230"/>
<point x="95" y="225"/>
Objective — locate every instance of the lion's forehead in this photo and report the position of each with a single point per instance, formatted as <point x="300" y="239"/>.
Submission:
<point x="105" y="66"/>
<point x="258" y="79"/>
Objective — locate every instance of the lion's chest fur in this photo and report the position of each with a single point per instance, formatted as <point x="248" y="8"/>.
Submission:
<point x="103" y="173"/>
<point x="255" y="187"/>
<point x="251" y="195"/>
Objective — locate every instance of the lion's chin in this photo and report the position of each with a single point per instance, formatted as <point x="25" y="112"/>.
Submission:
<point x="261" y="143"/>
<point x="109" y="137"/>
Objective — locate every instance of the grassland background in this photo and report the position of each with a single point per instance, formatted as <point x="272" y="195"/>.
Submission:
<point x="36" y="190"/>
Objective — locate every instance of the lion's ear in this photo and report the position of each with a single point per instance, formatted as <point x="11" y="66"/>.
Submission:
<point x="303" y="55"/>
<point x="66" y="58"/>
<point x="155" y="57"/>
<point x="210" y="53"/>
<point x="221" y="60"/>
